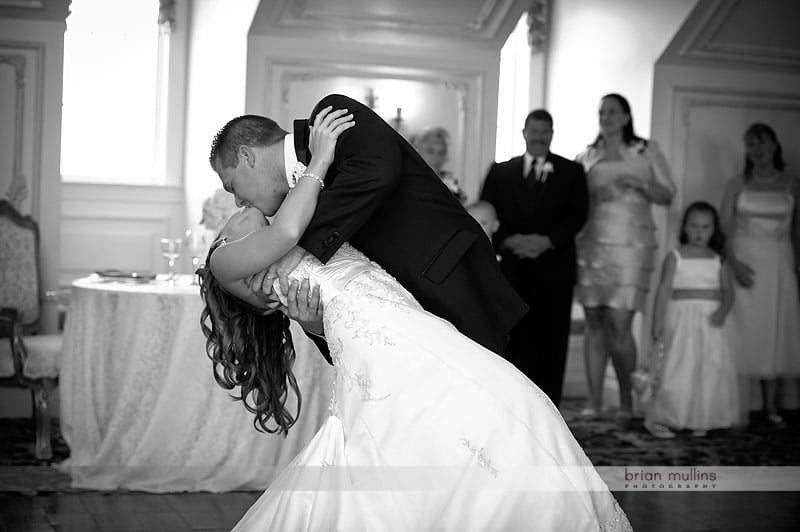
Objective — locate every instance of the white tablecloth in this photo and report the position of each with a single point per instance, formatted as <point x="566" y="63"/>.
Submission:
<point x="140" y="409"/>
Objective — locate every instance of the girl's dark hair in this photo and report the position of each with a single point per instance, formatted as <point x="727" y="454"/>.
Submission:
<point x="249" y="350"/>
<point x="762" y="132"/>
<point x="717" y="240"/>
<point x="628" y="136"/>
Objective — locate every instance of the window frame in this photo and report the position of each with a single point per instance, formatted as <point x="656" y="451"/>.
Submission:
<point x="170" y="109"/>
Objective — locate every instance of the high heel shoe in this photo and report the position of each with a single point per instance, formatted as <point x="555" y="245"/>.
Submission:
<point x="776" y="420"/>
<point x="658" y="430"/>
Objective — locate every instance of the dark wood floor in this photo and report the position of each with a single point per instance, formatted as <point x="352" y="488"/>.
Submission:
<point x="140" y="512"/>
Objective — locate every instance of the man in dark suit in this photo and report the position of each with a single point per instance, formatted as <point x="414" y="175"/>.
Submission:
<point x="542" y="202"/>
<point x="383" y="198"/>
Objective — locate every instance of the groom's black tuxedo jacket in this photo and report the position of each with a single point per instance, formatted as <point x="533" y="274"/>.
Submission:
<point x="383" y="198"/>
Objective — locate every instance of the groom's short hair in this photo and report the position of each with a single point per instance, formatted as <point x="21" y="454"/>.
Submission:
<point x="246" y="130"/>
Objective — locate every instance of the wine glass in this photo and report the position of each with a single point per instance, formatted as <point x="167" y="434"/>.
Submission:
<point x="171" y="249"/>
<point x="197" y="245"/>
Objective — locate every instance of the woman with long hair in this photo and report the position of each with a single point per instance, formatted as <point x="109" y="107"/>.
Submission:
<point x="428" y="430"/>
<point x="626" y="175"/>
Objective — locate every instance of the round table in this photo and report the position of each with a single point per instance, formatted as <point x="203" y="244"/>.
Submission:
<point x="140" y="408"/>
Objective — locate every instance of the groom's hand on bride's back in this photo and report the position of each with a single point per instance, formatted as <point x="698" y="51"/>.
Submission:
<point x="305" y="307"/>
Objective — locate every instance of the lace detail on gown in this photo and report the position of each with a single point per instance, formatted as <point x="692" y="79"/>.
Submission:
<point x="414" y="408"/>
<point x="480" y="455"/>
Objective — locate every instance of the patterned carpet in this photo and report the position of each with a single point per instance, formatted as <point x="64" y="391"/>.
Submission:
<point x="607" y="442"/>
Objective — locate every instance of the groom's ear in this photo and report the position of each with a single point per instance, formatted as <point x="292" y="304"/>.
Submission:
<point x="246" y="155"/>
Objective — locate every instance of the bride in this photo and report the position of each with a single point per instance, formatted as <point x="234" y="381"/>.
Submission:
<point x="428" y="429"/>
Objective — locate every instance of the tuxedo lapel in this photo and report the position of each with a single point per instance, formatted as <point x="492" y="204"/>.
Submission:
<point x="301" y="133"/>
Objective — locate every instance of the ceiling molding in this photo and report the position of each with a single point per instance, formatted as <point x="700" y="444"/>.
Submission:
<point x="709" y="40"/>
<point x="25" y="4"/>
<point x="479" y="20"/>
<point x="35" y="9"/>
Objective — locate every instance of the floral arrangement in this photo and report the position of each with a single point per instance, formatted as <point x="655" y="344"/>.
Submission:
<point x="217" y="209"/>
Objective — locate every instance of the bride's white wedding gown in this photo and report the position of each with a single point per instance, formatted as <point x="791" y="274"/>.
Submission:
<point x="428" y="430"/>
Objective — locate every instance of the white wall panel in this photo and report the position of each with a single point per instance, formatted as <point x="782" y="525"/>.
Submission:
<point x="117" y="226"/>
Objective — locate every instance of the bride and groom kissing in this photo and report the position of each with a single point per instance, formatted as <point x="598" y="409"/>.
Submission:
<point x="414" y="338"/>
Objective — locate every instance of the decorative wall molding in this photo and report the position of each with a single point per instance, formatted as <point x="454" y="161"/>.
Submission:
<point x="538" y="26"/>
<point x="27" y="60"/>
<point x="166" y="15"/>
<point x="17" y="190"/>
<point x="26" y="4"/>
<point x="301" y="12"/>
<point x="473" y="20"/>
<point x="117" y="226"/>
<point x="707" y="128"/>
<point x="706" y="42"/>
<point x="105" y="193"/>
<point x="692" y="98"/>
<point x="53" y="10"/>
<point x="463" y="87"/>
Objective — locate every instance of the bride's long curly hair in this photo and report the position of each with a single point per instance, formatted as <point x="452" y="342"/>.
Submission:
<point x="249" y="350"/>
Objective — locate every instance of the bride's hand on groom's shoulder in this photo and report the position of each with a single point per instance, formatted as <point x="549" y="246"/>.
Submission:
<point x="328" y="125"/>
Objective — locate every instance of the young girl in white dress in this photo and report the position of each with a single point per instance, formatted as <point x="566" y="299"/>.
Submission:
<point x="698" y="389"/>
<point x="428" y="429"/>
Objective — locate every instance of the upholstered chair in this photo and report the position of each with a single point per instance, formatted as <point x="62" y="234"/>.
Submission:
<point x="28" y="360"/>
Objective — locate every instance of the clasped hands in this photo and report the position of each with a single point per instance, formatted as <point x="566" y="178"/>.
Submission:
<point x="528" y="246"/>
<point x="303" y="302"/>
<point x="620" y="184"/>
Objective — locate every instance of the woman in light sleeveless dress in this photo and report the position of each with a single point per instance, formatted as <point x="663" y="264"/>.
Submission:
<point x="428" y="429"/>
<point x="761" y="214"/>
<point x="626" y="175"/>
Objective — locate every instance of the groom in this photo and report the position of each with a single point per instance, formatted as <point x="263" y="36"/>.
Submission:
<point x="383" y="198"/>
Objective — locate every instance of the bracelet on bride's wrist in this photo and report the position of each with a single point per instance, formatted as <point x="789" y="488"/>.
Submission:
<point x="313" y="176"/>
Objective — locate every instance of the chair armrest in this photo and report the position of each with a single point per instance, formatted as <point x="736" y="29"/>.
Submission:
<point x="11" y="327"/>
<point x="9" y="316"/>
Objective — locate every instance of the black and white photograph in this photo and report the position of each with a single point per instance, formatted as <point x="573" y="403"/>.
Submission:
<point x="399" y="266"/>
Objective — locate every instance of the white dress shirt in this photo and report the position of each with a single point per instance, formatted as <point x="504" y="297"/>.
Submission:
<point x="528" y="162"/>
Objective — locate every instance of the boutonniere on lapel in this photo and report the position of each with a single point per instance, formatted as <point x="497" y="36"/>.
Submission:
<point x="547" y="169"/>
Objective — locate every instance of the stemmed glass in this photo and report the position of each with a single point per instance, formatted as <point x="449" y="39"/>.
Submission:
<point x="197" y="244"/>
<point x="171" y="249"/>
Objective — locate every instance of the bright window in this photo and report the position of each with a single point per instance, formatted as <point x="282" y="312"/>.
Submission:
<point x="514" y="93"/>
<point x="110" y="122"/>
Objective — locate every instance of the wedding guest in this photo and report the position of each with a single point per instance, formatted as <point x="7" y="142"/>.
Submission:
<point x="541" y="203"/>
<point x="486" y="215"/>
<point x="698" y="387"/>
<point x="761" y="214"/>
<point x="616" y="250"/>
<point x="434" y="144"/>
